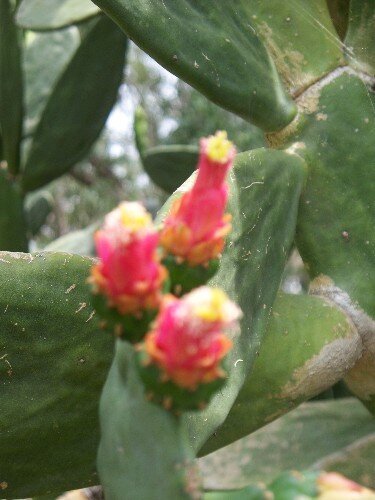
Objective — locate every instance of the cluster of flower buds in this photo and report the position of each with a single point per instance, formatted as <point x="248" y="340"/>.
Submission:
<point x="181" y="340"/>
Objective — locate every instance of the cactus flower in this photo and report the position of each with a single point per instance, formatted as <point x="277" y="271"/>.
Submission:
<point x="129" y="273"/>
<point x="334" y="486"/>
<point x="188" y="341"/>
<point x="196" y="228"/>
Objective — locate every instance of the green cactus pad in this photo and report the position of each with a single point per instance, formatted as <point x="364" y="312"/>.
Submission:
<point x="183" y="277"/>
<point x="294" y="486"/>
<point x="45" y="57"/>
<point x="305" y="336"/>
<point x="265" y="187"/>
<point x="12" y="220"/>
<point x="170" y="166"/>
<point x="248" y="493"/>
<point x="11" y="87"/>
<point x="167" y="166"/>
<point x="53" y="363"/>
<point x="335" y="224"/>
<point x="360" y="39"/>
<point x="212" y="46"/>
<point x="355" y="460"/>
<point x="289" y="485"/>
<point x="304" y="439"/>
<point x="79" y="242"/>
<point x="299" y="36"/>
<point x="53" y="14"/>
<point x="77" y="110"/>
<point x="143" y="451"/>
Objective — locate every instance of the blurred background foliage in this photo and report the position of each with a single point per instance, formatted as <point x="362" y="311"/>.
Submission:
<point x="176" y="114"/>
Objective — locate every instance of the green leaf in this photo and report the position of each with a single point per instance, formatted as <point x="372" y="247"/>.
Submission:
<point x="215" y="48"/>
<point x="78" y="106"/>
<point x="53" y="363"/>
<point x="170" y="166"/>
<point x="335" y="224"/>
<point x="11" y="87"/>
<point x="53" y="14"/>
<point x="38" y="206"/>
<point x="265" y="186"/>
<point x="289" y="485"/>
<point x="308" y="346"/>
<point x="12" y="221"/>
<point x="339" y="11"/>
<point x="248" y="493"/>
<point x="79" y="242"/>
<point x="45" y="57"/>
<point x="85" y="27"/>
<point x="294" y="486"/>
<point x="360" y="40"/>
<point x="143" y="450"/>
<point x="296" y="441"/>
<point x="355" y="460"/>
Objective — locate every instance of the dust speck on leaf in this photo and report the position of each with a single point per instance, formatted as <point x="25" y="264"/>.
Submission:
<point x="90" y="317"/>
<point x="82" y="305"/>
<point x="72" y="287"/>
<point x="321" y="116"/>
<point x="345" y="235"/>
<point x="9" y="366"/>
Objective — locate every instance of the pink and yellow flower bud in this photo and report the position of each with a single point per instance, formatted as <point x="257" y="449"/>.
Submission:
<point x="334" y="486"/>
<point x="129" y="273"/>
<point x="196" y="228"/>
<point x="188" y="342"/>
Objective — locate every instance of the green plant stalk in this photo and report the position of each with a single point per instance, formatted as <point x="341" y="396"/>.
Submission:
<point x="13" y="229"/>
<point x="11" y="87"/>
<point x="155" y="455"/>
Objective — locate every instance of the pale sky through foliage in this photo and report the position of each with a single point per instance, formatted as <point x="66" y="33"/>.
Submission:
<point x="120" y="121"/>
